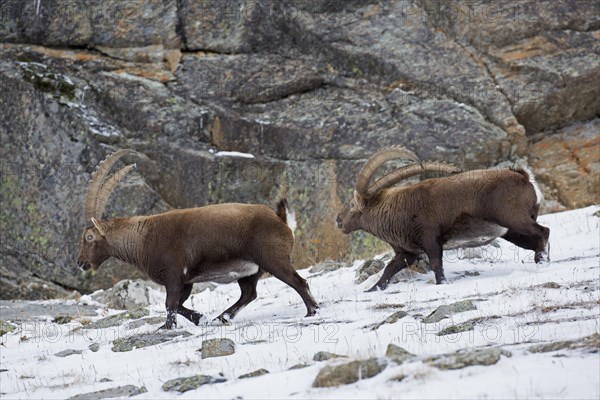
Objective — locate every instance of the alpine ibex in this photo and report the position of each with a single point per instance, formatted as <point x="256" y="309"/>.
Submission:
<point x="221" y="243"/>
<point x="466" y="209"/>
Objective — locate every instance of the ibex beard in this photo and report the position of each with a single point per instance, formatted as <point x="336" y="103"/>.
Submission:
<point x="221" y="243"/>
<point x="467" y="209"/>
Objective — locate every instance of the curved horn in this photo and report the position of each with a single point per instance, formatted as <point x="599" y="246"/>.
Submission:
<point x="376" y="161"/>
<point x="408" y="171"/>
<point x="108" y="186"/>
<point x="98" y="177"/>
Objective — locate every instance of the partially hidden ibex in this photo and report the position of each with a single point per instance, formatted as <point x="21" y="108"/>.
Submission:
<point x="466" y="209"/>
<point x="221" y="243"/>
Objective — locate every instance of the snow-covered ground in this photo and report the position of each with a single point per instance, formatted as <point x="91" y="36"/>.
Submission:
<point x="271" y="333"/>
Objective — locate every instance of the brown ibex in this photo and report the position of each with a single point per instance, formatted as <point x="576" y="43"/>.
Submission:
<point x="466" y="209"/>
<point x="222" y="243"/>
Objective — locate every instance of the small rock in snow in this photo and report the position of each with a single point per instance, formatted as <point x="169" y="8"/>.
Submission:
<point x="351" y="372"/>
<point x="445" y="311"/>
<point x="252" y="374"/>
<point x="145" y="340"/>
<point x="182" y="385"/>
<point x="397" y="353"/>
<point x="469" y="358"/>
<point x="325" y="355"/>
<point x="119" y="391"/>
<point x="217" y="347"/>
<point x="117" y="319"/>
<point x="67" y="352"/>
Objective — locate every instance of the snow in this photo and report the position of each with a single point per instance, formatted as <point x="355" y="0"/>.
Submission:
<point x="29" y="63"/>
<point x="233" y="154"/>
<point x="272" y="333"/>
<point x="37" y="4"/>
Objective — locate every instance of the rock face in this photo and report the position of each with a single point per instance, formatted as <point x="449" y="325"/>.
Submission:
<point x="82" y="24"/>
<point x="537" y="52"/>
<point x="567" y="163"/>
<point x="311" y="89"/>
<point x="125" y="295"/>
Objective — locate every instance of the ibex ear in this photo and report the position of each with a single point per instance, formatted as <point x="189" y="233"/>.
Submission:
<point x="359" y="201"/>
<point x="98" y="226"/>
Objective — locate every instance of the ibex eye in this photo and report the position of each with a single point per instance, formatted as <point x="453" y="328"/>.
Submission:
<point x="89" y="237"/>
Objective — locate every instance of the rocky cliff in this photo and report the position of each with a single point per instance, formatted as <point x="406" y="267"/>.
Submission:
<point x="309" y="88"/>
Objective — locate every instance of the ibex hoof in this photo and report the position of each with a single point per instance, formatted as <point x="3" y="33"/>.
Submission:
<point x="312" y="312"/>
<point x="171" y="321"/>
<point x="225" y="319"/>
<point x="376" y="288"/>
<point x="196" y="317"/>
<point x="541" y="257"/>
<point x="167" y="325"/>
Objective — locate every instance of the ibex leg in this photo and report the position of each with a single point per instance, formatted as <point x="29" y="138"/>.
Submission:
<point x="191" y="315"/>
<point x="248" y="288"/>
<point x="400" y="261"/>
<point x="172" y="304"/>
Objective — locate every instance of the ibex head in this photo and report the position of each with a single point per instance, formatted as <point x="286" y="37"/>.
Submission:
<point x="350" y="217"/>
<point x="94" y="246"/>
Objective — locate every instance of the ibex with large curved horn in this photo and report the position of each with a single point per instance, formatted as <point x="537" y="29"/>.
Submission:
<point x="466" y="209"/>
<point x="221" y="243"/>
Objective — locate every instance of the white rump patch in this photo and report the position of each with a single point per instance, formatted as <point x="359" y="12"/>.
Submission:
<point x="538" y="193"/>
<point x="291" y="220"/>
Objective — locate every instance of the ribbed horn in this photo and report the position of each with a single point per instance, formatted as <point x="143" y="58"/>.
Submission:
<point x="97" y="181"/>
<point x="377" y="160"/>
<point x="408" y="171"/>
<point x="108" y="187"/>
